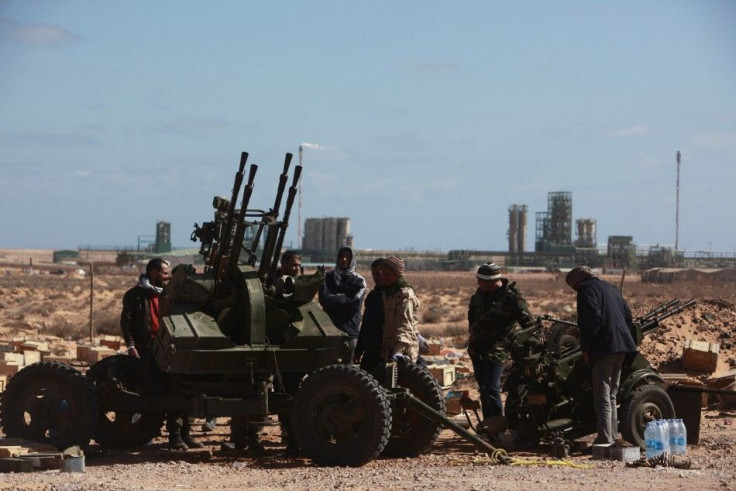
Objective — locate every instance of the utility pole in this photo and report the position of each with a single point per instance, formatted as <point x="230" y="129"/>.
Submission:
<point x="299" y="217"/>
<point x="677" y="206"/>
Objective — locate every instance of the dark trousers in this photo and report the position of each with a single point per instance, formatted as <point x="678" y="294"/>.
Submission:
<point x="488" y="375"/>
<point x="176" y="424"/>
<point x="350" y="354"/>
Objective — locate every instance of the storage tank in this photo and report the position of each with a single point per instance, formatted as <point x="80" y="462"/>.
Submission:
<point x="329" y="234"/>
<point x="343" y="231"/>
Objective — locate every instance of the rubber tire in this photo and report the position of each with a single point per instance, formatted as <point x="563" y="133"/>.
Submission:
<point x="646" y="403"/>
<point x="124" y="429"/>
<point x="562" y="338"/>
<point x="341" y="416"/>
<point x="33" y="406"/>
<point x="412" y="433"/>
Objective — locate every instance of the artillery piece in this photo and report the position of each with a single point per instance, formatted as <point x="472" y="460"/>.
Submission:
<point x="238" y="341"/>
<point x="550" y="396"/>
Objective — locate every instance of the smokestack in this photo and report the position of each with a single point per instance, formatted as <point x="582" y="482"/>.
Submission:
<point x="677" y="205"/>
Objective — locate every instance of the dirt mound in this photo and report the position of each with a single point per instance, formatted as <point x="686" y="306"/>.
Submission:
<point x="711" y="319"/>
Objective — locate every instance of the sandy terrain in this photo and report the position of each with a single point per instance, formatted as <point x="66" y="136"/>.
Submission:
<point x="29" y="305"/>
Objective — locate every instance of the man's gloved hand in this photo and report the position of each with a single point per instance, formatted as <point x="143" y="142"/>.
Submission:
<point x="398" y="357"/>
<point x="423" y="345"/>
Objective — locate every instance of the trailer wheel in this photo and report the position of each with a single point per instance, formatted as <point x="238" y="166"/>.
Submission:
<point x="124" y="429"/>
<point x="49" y="402"/>
<point x="646" y="403"/>
<point x="341" y="416"/>
<point x="412" y="433"/>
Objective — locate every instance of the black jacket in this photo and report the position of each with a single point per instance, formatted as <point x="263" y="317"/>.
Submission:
<point x="135" y="319"/>
<point x="604" y="320"/>
<point x="370" y="339"/>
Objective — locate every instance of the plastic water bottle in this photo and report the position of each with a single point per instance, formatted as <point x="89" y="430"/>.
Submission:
<point x="672" y="428"/>
<point x="679" y="445"/>
<point x="650" y="439"/>
<point x="664" y="436"/>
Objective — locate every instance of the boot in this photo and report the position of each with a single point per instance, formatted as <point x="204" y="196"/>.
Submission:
<point x="209" y="425"/>
<point x="190" y="442"/>
<point x="256" y="446"/>
<point x="176" y="442"/>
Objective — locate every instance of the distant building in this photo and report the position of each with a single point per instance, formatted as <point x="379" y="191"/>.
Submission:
<point x="326" y="234"/>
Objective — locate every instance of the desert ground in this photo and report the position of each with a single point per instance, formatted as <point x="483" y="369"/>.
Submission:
<point x="40" y="303"/>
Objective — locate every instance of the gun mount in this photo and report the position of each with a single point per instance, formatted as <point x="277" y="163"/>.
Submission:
<point x="550" y="396"/>
<point x="241" y="342"/>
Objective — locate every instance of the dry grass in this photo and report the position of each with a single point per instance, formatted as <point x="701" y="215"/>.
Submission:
<point x="59" y="305"/>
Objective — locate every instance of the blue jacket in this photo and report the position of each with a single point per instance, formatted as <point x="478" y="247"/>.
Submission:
<point x="341" y="297"/>
<point x="604" y="320"/>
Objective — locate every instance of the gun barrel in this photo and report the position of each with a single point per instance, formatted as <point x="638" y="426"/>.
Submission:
<point x="268" y="221"/>
<point x="658" y="310"/>
<point x="283" y="226"/>
<point x="225" y="233"/>
<point x="653" y="322"/>
<point x="237" y="243"/>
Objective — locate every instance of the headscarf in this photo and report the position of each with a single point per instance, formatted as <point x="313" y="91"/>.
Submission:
<point x="577" y="275"/>
<point x="145" y="282"/>
<point x="340" y="273"/>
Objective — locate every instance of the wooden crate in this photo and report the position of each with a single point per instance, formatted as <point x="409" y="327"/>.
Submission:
<point x="8" y="356"/>
<point x="112" y="342"/>
<point x="9" y="368"/>
<point x="34" y="346"/>
<point x="700" y="356"/>
<point x="445" y="374"/>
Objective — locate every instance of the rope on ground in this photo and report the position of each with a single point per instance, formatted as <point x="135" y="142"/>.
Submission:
<point x="501" y="457"/>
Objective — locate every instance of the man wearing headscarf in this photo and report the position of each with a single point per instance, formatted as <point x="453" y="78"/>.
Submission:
<point x="605" y="324"/>
<point x="341" y="297"/>
<point x="400" y="306"/>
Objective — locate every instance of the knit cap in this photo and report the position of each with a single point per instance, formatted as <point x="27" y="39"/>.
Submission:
<point x="395" y="264"/>
<point x="489" y="272"/>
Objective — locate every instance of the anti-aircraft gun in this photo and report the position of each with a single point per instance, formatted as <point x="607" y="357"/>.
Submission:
<point x="550" y="396"/>
<point x="239" y="341"/>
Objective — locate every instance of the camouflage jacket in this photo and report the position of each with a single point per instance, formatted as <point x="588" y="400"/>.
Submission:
<point x="401" y="321"/>
<point x="492" y="319"/>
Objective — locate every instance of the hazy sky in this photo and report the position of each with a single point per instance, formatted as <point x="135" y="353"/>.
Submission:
<point x="423" y="121"/>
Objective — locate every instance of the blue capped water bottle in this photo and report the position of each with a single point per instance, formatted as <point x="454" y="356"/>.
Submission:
<point x="665" y="438"/>
<point x="679" y="447"/>
<point x="650" y="439"/>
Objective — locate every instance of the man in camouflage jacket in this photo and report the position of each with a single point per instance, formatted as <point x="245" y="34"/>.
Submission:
<point x="400" y="307"/>
<point x="496" y="310"/>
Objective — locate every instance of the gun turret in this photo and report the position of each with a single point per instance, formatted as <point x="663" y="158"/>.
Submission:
<point x="223" y="239"/>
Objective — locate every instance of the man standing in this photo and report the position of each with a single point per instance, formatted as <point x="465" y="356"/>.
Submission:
<point x="400" y="306"/>
<point x="496" y="309"/>
<point x="139" y="322"/>
<point x="605" y="323"/>
<point x="341" y="297"/>
<point x="370" y="338"/>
